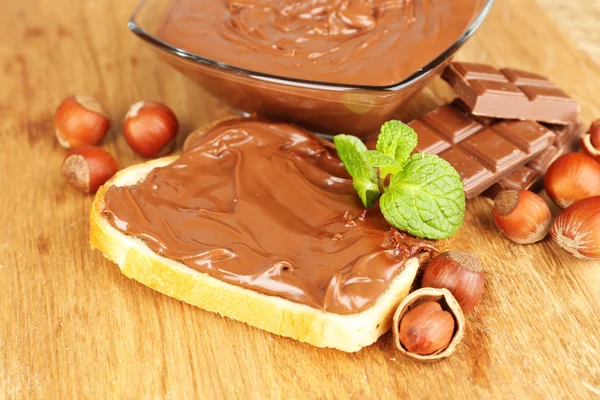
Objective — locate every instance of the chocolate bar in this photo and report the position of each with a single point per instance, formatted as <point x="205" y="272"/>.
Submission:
<point x="483" y="154"/>
<point x="531" y="176"/>
<point x="510" y="93"/>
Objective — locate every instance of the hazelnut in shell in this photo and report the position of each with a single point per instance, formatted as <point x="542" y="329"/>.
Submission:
<point x="572" y="177"/>
<point x="577" y="228"/>
<point x="458" y="271"/>
<point x="150" y="128"/>
<point x="425" y="331"/>
<point x="426" y="328"/>
<point x="79" y="121"/>
<point x="522" y="216"/>
<point x="87" y="168"/>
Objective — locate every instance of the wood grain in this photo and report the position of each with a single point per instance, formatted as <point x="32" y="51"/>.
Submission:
<point x="74" y="327"/>
<point x="577" y="19"/>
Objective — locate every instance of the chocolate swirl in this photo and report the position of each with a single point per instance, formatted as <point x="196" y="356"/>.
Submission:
<point x="374" y="42"/>
<point x="267" y="207"/>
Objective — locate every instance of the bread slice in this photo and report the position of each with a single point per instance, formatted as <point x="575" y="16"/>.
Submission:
<point x="280" y="316"/>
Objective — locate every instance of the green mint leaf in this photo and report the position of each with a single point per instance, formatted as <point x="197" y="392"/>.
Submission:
<point x="397" y="140"/>
<point x="426" y="198"/>
<point x="386" y="164"/>
<point x="351" y="151"/>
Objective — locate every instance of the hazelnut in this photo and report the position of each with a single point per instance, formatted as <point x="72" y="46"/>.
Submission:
<point x="459" y="272"/>
<point x="522" y="216"/>
<point x="80" y="121"/>
<point x="150" y="128"/>
<point x="426" y="328"/>
<point x="577" y="228"/>
<point x="572" y="177"/>
<point x="590" y="142"/>
<point x="426" y="331"/>
<point x="87" y="168"/>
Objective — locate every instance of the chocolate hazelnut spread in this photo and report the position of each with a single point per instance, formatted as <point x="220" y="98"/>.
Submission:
<point x="360" y="42"/>
<point x="267" y="207"/>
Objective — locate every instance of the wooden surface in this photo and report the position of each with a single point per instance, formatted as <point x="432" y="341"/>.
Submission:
<point x="577" y="19"/>
<point x="74" y="327"/>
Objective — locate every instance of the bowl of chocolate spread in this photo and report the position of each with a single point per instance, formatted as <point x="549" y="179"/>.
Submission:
<point x="332" y="66"/>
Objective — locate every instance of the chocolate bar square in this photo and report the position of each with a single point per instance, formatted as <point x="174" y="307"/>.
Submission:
<point x="510" y="94"/>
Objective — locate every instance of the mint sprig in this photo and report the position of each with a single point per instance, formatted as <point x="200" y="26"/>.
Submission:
<point x="364" y="176"/>
<point x="426" y="199"/>
<point x="386" y="164"/>
<point x="425" y="194"/>
<point x="397" y="140"/>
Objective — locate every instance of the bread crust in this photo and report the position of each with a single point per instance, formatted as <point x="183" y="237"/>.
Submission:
<point x="273" y="314"/>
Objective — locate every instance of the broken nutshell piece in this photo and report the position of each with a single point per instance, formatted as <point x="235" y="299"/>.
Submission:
<point x="590" y="142"/>
<point x="594" y="133"/>
<point x="420" y="327"/>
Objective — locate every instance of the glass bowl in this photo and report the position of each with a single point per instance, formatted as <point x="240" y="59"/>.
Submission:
<point x="322" y="107"/>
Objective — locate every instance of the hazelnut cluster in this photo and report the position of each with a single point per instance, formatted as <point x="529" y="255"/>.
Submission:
<point x="80" y="123"/>
<point x="429" y="323"/>
<point x="573" y="183"/>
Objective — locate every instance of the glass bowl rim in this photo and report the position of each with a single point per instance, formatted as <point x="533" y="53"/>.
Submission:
<point x="137" y="29"/>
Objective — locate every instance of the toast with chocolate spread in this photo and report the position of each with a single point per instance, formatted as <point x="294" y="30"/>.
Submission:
<point x="259" y="222"/>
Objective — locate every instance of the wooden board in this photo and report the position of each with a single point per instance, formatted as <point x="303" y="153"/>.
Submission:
<point x="577" y="19"/>
<point x="74" y="327"/>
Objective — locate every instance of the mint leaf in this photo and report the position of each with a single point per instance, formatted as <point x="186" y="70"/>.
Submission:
<point x="386" y="164"/>
<point x="425" y="195"/>
<point x="351" y="151"/>
<point x="397" y="140"/>
<point x="426" y="198"/>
